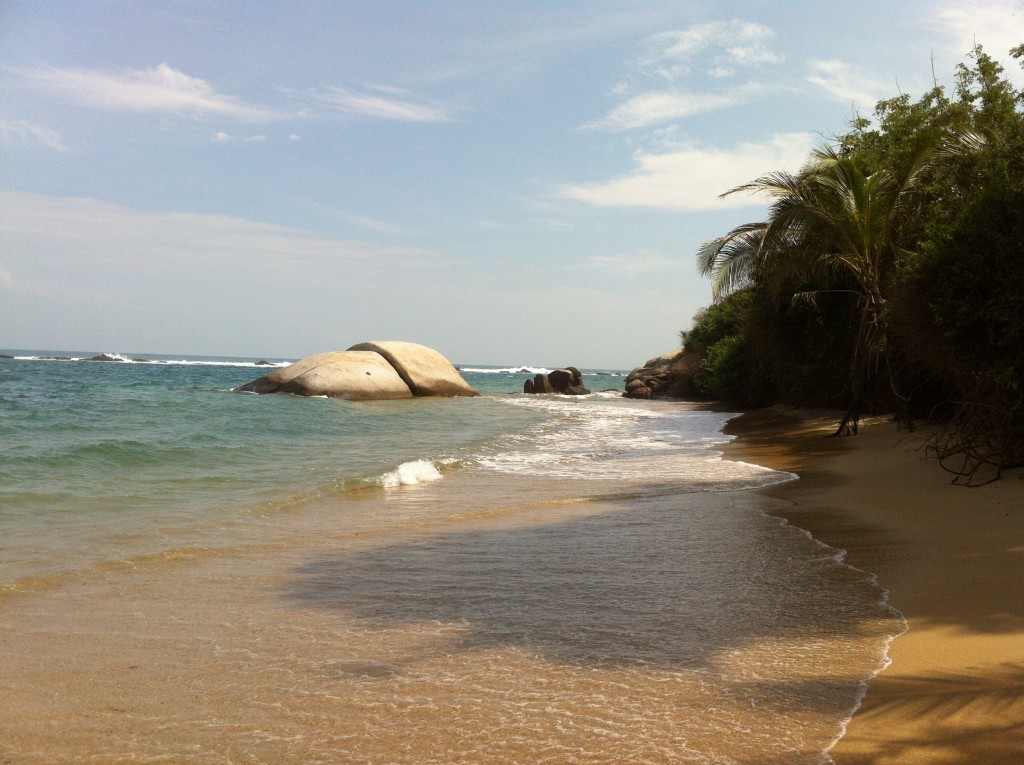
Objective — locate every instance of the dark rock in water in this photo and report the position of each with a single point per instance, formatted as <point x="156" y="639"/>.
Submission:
<point x="566" y="381"/>
<point x="264" y="363"/>
<point x="541" y="384"/>
<point x="561" y="379"/>
<point x="105" y="357"/>
<point x="5" y="356"/>
<point x="142" y="361"/>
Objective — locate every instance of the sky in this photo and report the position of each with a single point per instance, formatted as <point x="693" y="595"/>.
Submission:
<point x="509" y="183"/>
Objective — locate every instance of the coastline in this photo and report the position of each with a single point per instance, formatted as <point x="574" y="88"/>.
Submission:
<point x="952" y="560"/>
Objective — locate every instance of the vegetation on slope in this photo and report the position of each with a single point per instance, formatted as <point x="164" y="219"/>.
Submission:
<point x="888" y="276"/>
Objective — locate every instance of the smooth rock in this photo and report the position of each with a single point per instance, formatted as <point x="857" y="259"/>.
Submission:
<point x="352" y="375"/>
<point x="425" y="371"/>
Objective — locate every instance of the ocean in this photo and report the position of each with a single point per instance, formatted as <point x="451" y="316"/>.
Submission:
<point x="190" y="574"/>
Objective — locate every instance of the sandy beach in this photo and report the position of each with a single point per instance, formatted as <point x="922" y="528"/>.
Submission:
<point x="952" y="559"/>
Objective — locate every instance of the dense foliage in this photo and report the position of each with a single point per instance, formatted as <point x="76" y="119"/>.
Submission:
<point x="888" y="275"/>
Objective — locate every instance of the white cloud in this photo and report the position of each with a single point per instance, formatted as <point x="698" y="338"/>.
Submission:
<point x="635" y="265"/>
<point x="997" y="25"/>
<point x="652" y="108"/>
<point x="6" y="278"/>
<point x="738" y="43"/>
<point x="722" y="48"/>
<point x="689" y="178"/>
<point x="222" y="137"/>
<point x="384" y="102"/>
<point x="20" y="131"/>
<point x="66" y="238"/>
<point x="157" y="89"/>
<point x="849" y="84"/>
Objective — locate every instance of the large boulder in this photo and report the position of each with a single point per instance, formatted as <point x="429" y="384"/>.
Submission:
<point x="353" y="375"/>
<point x="561" y="379"/>
<point x="363" y="373"/>
<point x="667" y="375"/>
<point x="424" y="370"/>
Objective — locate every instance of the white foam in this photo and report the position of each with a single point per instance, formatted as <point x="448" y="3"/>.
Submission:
<point x="410" y="474"/>
<point x="618" y="439"/>
<point x="524" y="370"/>
<point x="122" y="359"/>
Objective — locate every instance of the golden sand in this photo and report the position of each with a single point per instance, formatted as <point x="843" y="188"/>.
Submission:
<point x="952" y="559"/>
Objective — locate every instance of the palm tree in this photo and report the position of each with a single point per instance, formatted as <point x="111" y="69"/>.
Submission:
<point x="829" y="219"/>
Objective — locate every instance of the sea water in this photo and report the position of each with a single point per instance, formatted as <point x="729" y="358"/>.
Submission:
<point x="190" y="574"/>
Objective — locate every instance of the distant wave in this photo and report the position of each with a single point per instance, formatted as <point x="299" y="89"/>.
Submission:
<point x="525" y="370"/>
<point x="506" y="370"/>
<point x="119" y="358"/>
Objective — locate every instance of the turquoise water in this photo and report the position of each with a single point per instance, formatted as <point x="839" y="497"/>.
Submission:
<point x="531" y="578"/>
<point x="92" y="447"/>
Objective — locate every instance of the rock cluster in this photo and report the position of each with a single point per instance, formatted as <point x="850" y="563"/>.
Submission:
<point x="567" y="381"/>
<point x="367" y="371"/>
<point x="663" y="376"/>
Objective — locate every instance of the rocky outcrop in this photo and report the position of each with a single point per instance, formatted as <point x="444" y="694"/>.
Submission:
<point x="365" y="373"/>
<point x="664" y="376"/>
<point x="567" y="381"/>
<point x="424" y="370"/>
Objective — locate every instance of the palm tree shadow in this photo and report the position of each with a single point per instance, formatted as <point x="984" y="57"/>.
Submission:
<point x="952" y="717"/>
<point x="628" y="586"/>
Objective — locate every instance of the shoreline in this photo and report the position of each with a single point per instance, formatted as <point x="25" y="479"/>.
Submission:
<point x="952" y="561"/>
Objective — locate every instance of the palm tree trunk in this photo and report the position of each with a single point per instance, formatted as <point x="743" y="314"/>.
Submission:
<point x="867" y="351"/>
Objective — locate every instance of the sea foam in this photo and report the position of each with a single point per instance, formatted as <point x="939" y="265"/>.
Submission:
<point x="410" y="474"/>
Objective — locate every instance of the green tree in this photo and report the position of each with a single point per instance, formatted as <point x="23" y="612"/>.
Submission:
<point x="834" y="227"/>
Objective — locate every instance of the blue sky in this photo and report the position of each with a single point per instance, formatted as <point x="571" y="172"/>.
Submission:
<point x="511" y="183"/>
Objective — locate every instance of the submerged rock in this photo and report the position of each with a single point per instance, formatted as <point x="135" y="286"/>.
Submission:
<point x="106" y="357"/>
<point x="365" y="372"/>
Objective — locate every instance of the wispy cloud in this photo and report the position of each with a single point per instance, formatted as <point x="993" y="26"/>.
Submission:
<point x="222" y="137"/>
<point x="382" y="102"/>
<point x="661" y="106"/>
<point x="65" y="235"/>
<point x="634" y="265"/>
<point x="722" y="46"/>
<point x="372" y="224"/>
<point x="20" y="131"/>
<point x="6" y="279"/>
<point x="690" y="178"/>
<point x="657" y="93"/>
<point x="997" y="25"/>
<point x="158" y="89"/>
<point x="847" y="83"/>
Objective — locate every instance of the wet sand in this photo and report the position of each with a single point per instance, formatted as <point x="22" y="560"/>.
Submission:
<point x="952" y="559"/>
